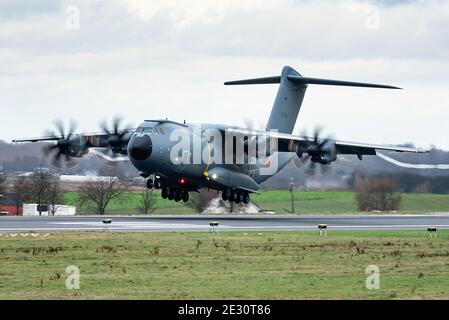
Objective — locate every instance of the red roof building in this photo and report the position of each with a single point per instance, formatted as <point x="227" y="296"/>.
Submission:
<point x="11" y="205"/>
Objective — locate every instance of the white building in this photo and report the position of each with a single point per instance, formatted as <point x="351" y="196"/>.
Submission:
<point x="30" y="209"/>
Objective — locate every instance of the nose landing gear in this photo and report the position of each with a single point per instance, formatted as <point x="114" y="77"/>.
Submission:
<point x="156" y="183"/>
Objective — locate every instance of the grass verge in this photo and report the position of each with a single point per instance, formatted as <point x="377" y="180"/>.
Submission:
<point x="289" y="265"/>
<point x="279" y="201"/>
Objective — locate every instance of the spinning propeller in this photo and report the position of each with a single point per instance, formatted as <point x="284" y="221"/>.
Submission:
<point x="67" y="144"/>
<point x="117" y="138"/>
<point x="316" y="155"/>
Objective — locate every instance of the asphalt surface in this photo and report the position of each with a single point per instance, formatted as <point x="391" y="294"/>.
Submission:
<point x="228" y="223"/>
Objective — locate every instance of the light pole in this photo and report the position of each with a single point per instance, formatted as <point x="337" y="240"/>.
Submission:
<point x="292" y="196"/>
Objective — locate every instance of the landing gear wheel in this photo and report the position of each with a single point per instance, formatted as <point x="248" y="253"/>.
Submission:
<point x="150" y="184"/>
<point x="177" y="196"/>
<point x="245" y="198"/>
<point x="165" y="192"/>
<point x="238" y="198"/>
<point x="225" y="194"/>
<point x="185" y="196"/>
<point x="170" y="195"/>
<point x="232" y="197"/>
<point x="157" y="184"/>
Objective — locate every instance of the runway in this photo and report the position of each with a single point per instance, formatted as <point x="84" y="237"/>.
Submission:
<point x="227" y="223"/>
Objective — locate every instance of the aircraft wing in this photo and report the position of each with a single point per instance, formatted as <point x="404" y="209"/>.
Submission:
<point x="40" y="139"/>
<point x="289" y="143"/>
<point x="92" y="140"/>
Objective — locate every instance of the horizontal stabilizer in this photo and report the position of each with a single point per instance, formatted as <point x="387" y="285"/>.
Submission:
<point x="268" y="80"/>
<point x="305" y="81"/>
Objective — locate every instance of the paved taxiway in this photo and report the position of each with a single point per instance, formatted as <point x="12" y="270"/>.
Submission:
<point x="228" y="222"/>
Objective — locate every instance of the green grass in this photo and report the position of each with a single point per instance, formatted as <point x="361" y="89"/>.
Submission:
<point x="307" y="202"/>
<point x="344" y="202"/>
<point x="129" y="205"/>
<point x="290" y="265"/>
<point x="280" y="201"/>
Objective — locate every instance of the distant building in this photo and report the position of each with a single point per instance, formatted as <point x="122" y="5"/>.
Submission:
<point x="11" y="205"/>
<point x="43" y="170"/>
<point x="31" y="209"/>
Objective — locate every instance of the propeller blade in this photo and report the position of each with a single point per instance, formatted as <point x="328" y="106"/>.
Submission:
<point x="72" y="128"/>
<point x="116" y="124"/>
<point x="104" y="127"/>
<point x="325" y="169"/>
<point x="316" y="134"/>
<point x="311" y="169"/>
<point x="60" y="127"/>
<point x="58" y="155"/>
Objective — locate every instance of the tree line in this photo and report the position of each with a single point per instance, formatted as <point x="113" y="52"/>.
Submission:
<point x="41" y="188"/>
<point x="45" y="190"/>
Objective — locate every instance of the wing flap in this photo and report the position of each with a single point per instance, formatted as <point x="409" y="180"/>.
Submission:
<point x="286" y="141"/>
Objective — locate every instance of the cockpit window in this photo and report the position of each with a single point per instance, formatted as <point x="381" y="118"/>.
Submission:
<point x="148" y="130"/>
<point x="139" y="130"/>
<point x="161" y="131"/>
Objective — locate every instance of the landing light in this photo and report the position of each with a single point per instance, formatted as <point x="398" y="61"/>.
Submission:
<point x="214" y="176"/>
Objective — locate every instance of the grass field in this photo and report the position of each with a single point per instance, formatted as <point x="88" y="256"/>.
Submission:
<point x="290" y="265"/>
<point x="343" y="202"/>
<point x="305" y="203"/>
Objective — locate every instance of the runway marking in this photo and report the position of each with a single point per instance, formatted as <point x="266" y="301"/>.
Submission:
<point x="23" y="234"/>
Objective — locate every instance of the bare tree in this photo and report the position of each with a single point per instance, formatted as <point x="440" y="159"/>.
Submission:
<point x="100" y="191"/>
<point x="2" y="183"/>
<point x="377" y="193"/>
<point x="147" y="203"/>
<point x="20" y="188"/>
<point x="55" y="196"/>
<point x="112" y="169"/>
<point x="39" y="186"/>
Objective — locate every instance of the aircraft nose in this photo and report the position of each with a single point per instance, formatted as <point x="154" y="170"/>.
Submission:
<point x="140" y="147"/>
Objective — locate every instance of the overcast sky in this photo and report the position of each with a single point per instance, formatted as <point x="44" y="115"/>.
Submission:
<point x="157" y="59"/>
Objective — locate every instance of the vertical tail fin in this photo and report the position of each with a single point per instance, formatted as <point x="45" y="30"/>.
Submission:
<point x="287" y="103"/>
<point x="291" y="94"/>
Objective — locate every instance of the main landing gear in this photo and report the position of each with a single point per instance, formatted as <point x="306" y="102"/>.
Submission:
<point x="236" y="196"/>
<point x="174" y="194"/>
<point x="167" y="192"/>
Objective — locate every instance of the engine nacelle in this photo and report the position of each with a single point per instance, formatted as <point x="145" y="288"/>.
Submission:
<point x="327" y="153"/>
<point x="326" y="158"/>
<point x="323" y="153"/>
<point x="76" y="146"/>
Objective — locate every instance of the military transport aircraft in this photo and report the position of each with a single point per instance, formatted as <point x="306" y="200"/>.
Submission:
<point x="179" y="158"/>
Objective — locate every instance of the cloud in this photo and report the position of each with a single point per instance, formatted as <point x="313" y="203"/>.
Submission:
<point x="303" y="29"/>
<point x="153" y="59"/>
